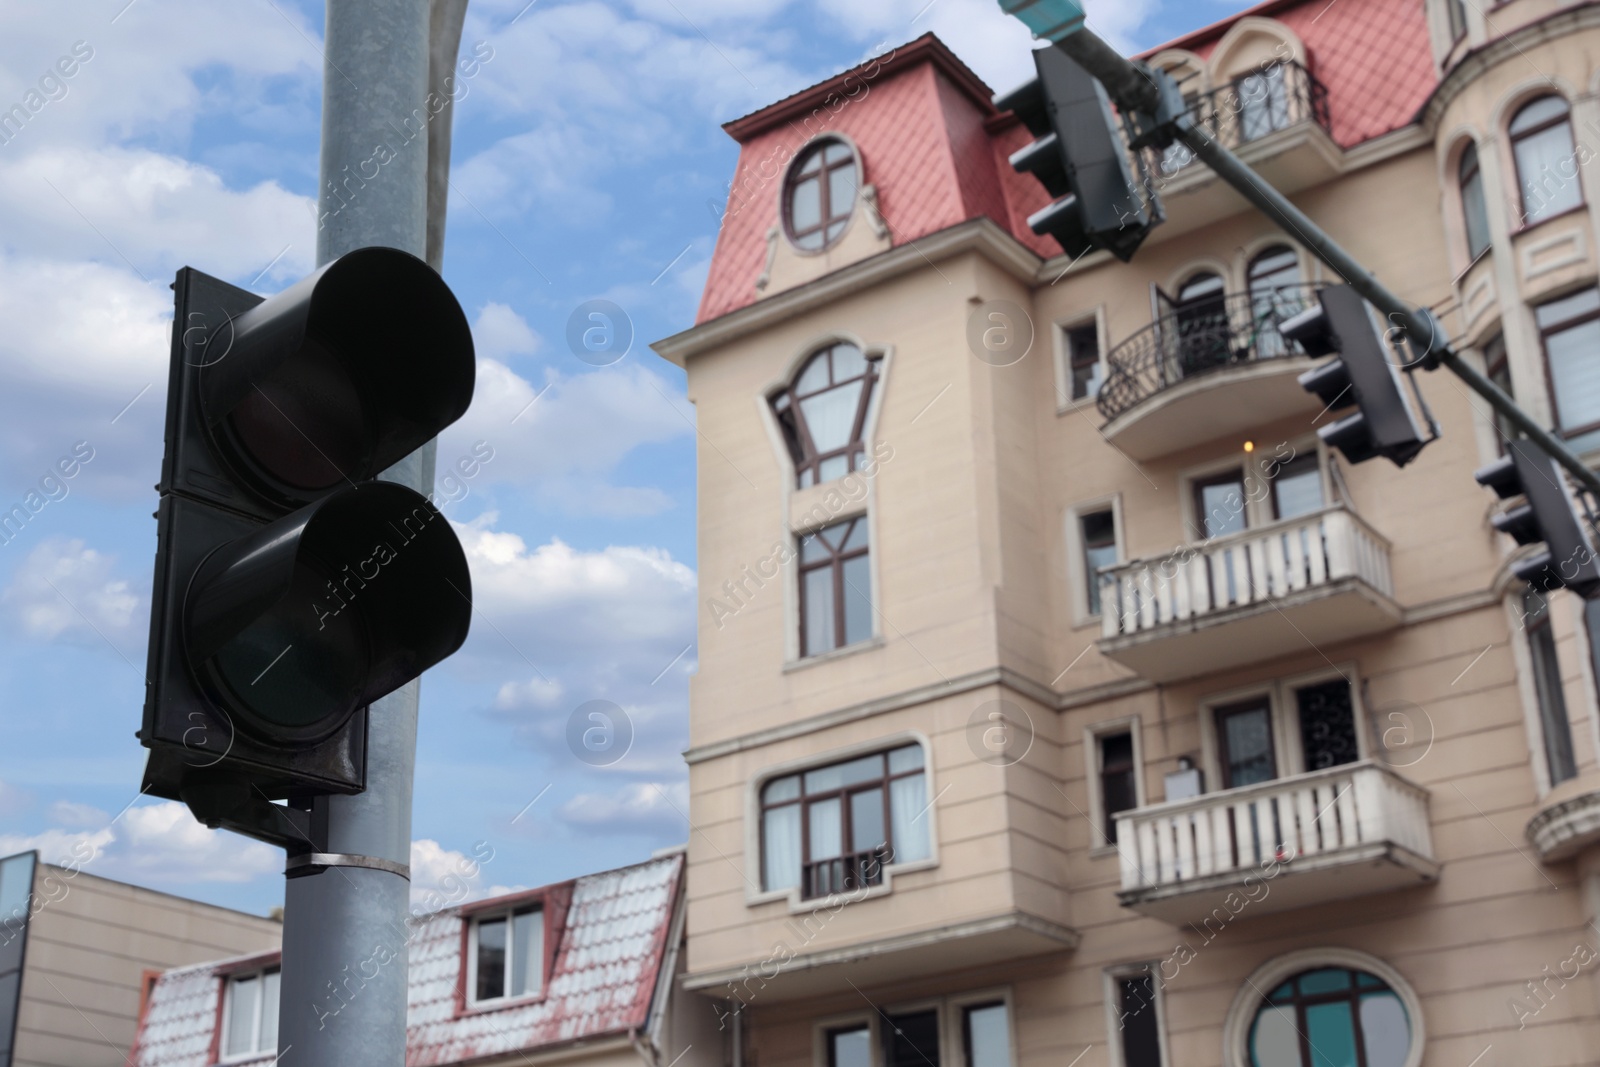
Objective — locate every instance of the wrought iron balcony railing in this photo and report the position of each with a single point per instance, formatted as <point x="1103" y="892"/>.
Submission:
<point x="843" y="874"/>
<point x="1200" y="338"/>
<point x="1275" y="97"/>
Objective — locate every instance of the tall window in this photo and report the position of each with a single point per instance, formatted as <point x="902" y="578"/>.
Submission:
<point x="1474" y="208"/>
<point x="911" y="1038"/>
<point x="1455" y="12"/>
<point x="1201" y="311"/>
<point x="1297" y="487"/>
<point x="508" y="955"/>
<point x="835" y="587"/>
<point x="1244" y="743"/>
<point x="1273" y="276"/>
<point x="850" y="1047"/>
<point x="1331" y="1016"/>
<point x="1327" y="725"/>
<point x="1098" y="531"/>
<point x="1547" y="687"/>
<point x="1263" y="102"/>
<point x="1547" y="165"/>
<point x="250" y="1014"/>
<point x="1083" y="359"/>
<point x="1570" y="331"/>
<point x="820" y="194"/>
<point x="824" y="412"/>
<point x="987" y="1035"/>
<point x="1138" y="1022"/>
<point x="832" y="829"/>
<point x="1119" y="789"/>
<point x="1219" y="504"/>
<point x="1499" y="368"/>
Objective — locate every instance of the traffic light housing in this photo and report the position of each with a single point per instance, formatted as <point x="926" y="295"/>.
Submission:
<point x="1546" y="515"/>
<point x="1080" y="159"/>
<point x="292" y="588"/>
<point x="1361" y="374"/>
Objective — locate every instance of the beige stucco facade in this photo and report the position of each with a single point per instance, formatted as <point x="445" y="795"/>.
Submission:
<point x="1479" y="878"/>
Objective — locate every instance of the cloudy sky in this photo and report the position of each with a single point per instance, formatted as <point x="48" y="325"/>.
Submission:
<point x="589" y="164"/>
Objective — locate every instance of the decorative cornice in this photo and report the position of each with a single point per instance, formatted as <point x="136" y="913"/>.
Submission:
<point x="1565" y="829"/>
<point x="1504" y="47"/>
<point x="981" y="234"/>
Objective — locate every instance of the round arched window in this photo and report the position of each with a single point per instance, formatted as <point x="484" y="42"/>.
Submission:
<point x="1331" y="1015"/>
<point x="820" y="193"/>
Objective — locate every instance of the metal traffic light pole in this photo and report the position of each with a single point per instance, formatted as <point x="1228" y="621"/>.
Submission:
<point x="1133" y="91"/>
<point x="344" y="988"/>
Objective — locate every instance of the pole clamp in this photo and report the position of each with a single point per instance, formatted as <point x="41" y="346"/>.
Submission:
<point x="315" y="862"/>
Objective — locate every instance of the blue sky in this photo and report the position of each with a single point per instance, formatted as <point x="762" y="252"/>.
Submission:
<point x="589" y="163"/>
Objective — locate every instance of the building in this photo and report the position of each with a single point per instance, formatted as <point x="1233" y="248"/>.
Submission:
<point x="1060" y="699"/>
<point x="579" y="972"/>
<point x="77" y="952"/>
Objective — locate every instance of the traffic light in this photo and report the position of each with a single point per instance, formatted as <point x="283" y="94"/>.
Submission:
<point x="291" y="588"/>
<point x="1361" y="374"/>
<point x="1080" y="159"/>
<point x="1546" y="515"/>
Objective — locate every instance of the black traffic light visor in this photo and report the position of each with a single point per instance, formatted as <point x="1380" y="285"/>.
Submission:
<point x="338" y="377"/>
<point x="313" y="616"/>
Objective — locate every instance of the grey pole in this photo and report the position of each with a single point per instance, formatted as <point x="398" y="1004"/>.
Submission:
<point x="343" y="991"/>
<point x="1134" y="91"/>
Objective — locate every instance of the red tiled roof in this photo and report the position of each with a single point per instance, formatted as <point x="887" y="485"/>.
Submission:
<point x="932" y="145"/>
<point x="608" y="954"/>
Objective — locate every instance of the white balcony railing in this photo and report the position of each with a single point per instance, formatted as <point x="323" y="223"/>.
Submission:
<point x="1249" y="567"/>
<point x="1291" y="820"/>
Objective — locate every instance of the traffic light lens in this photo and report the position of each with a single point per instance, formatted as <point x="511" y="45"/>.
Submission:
<point x="300" y="666"/>
<point x="305" y="425"/>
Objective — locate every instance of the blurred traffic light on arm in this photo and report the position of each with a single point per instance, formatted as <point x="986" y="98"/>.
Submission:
<point x="1546" y="515"/>
<point x="1080" y="159"/>
<point x="292" y="589"/>
<point x="1361" y="374"/>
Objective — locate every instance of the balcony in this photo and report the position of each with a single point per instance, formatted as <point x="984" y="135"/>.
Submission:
<point x="1328" y="835"/>
<point x="1308" y="582"/>
<point x="1215" y="368"/>
<point x="1276" y="119"/>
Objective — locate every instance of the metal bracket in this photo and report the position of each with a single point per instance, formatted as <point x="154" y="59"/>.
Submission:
<point x="244" y="810"/>
<point x="317" y="862"/>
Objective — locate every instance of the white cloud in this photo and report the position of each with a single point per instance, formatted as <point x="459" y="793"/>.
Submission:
<point x="539" y="693"/>
<point x="157" y="210"/>
<point x="78" y="816"/>
<point x="636" y="808"/>
<point x="64" y="586"/>
<point x="500" y="332"/>
<point x="443" y="877"/>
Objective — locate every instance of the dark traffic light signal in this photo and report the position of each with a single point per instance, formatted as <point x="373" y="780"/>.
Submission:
<point x="1360" y="374"/>
<point x="1080" y="159"/>
<point x="1546" y="515"/>
<point x="291" y="588"/>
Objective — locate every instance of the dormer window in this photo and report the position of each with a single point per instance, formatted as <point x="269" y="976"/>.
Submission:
<point x="506" y="956"/>
<point x="823" y="413"/>
<point x="820" y="193"/>
<point x="250" y="1015"/>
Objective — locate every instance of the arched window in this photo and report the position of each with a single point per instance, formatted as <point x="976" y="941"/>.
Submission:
<point x="1274" y="279"/>
<point x="1201" y="310"/>
<point x="1547" y="165"/>
<point x="824" y="412"/>
<point x="1474" y="209"/>
<point x="820" y="193"/>
<point x="1331" y="1015"/>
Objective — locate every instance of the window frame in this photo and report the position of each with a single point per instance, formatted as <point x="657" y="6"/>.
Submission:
<point x="1235" y="471"/>
<point x="1288" y="746"/>
<point x="1259" y="509"/>
<point x="1077" y="554"/>
<point x="1247" y="999"/>
<point x="1538" y="627"/>
<point x="1497" y="368"/>
<point x="1514" y="140"/>
<point x="952" y="1011"/>
<point x="471" y="1002"/>
<point x="1111" y="989"/>
<point x="817" y="146"/>
<point x="1066" y="363"/>
<point x="755" y="823"/>
<point x="1270" y="105"/>
<point x="1099" y="843"/>
<point x="1545" y="333"/>
<point x="225" y="1016"/>
<point x="1455" y="20"/>
<point x="837" y="558"/>
<point x="795" y="433"/>
<point x="1470" y="150"/>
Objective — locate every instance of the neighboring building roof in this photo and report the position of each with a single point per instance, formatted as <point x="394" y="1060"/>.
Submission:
<point x="610" y="940"/>
<point x="937" y="153"/>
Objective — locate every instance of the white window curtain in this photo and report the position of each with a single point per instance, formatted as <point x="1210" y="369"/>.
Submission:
<point x="780" y="867"/>
<point x="908" y="799"/>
